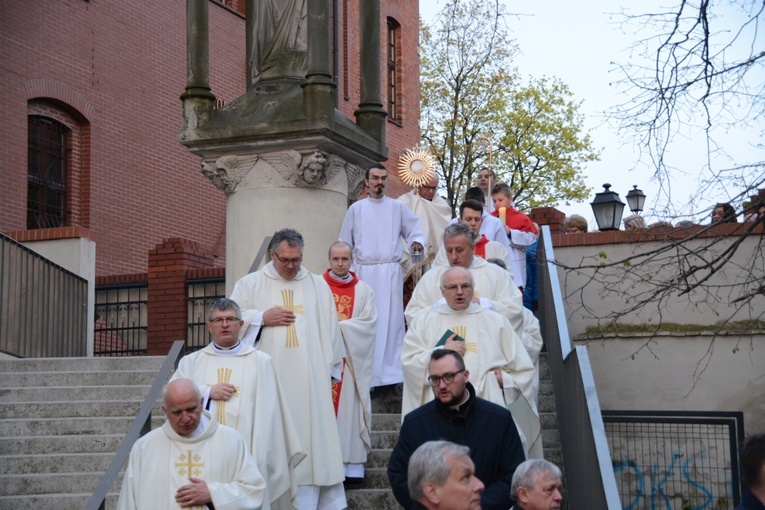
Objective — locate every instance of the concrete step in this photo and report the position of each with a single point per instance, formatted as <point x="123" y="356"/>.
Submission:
<point x="69" y="393"/>
<point x="386" y="405"/>
<point x="384" y="440"/>
<point x="90" y="378"/>
<point x="386" y="422"/>
<point x="73" y="409"/>
<point x="371" y="499"/>
<point x="52" y="483"/>
<point x="60" y="444"/>
<point x="50" y="501"/>
<point x="71" y="426"/>
<point x="105" y="364"/>
<point x="61" y="463"/>
<point x="378" y="458"/>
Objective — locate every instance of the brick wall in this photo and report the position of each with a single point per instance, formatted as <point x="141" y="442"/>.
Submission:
<point x="114" y="71"/>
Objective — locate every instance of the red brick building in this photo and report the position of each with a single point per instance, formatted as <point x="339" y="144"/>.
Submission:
<point x="91" y="114"/>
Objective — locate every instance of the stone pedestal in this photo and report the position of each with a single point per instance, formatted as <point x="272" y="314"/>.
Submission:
<point x="306" y="190"/>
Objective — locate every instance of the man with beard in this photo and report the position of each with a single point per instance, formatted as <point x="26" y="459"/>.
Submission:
<point x="457" y="415"/>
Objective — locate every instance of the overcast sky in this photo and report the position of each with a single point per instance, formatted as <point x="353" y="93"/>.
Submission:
<point x="578" y="42"/>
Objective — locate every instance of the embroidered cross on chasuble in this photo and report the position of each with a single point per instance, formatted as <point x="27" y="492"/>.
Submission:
<point x="469" y="346"/>
<point x="190" y="464"/>
<point x="288" y="298"/>
<point x="224" y="376"/>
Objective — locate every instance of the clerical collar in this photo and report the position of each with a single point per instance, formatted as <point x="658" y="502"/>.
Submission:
<point x="227" y="351"/>
<point x="467" y="397"/>
<point x="345" y="279"/>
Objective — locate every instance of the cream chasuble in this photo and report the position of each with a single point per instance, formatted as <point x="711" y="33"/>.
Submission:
<point x="490" y="342"/>
<point x="162" y="461"/>
<point x="491" y="282"/>
<point x="257" y="410"/>
<point x="304" y="355"/>
<point x="359" y="327"/>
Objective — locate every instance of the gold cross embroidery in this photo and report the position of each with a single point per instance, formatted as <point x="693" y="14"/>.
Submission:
<point x="189" y="464"/>
<point x="224" y="376"/>
<point x="288" y="297"/>
<point x="469" y="346"/>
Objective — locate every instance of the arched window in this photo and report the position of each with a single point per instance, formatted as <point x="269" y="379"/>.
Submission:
<point x="48" y="163"/>
<point x="394" y="66"/>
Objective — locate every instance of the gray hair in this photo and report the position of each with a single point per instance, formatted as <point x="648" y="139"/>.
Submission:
<point x="528" y="472"/>
<point x="340" y="244"/>
<point x="460" y="229"/>
<point x="428" y="464"/>
<point x="634" y="221"/>
<point x="497" y="262"/>
<point x="290" y="235"/>
<point x="224" y="304"/>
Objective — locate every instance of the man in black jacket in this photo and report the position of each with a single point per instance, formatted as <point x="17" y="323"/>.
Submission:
<point x="457" y="415"/>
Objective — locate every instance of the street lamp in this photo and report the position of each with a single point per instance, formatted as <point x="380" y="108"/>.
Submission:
<point x="635" y="199"/>
<point x="608" y="209"/>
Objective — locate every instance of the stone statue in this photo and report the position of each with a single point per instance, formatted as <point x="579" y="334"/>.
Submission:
<point x="280" y="42"/>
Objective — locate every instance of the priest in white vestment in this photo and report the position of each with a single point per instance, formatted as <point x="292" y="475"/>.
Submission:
<point x="434" y="214"/>
<point x="356" y="312"/>
<point x="289" y="313"/>
<point x="494" y="289"/>
<point x="501" y="369"/>
<point x="191" y="461"/>
<point x="374" y="228"/>
<point x="239" y="387"/>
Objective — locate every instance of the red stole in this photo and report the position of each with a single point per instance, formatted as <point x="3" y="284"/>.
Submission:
<point x="345" y="295"/>
<point x="480" y="246"/>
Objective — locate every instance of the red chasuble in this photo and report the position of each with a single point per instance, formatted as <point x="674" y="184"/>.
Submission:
<point x="480" y="246"/>
<point x="344" y="294"/>
<point x="517" y="220"/>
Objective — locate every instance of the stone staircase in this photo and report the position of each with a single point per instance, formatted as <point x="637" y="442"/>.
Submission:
<point x="62" y="420"/>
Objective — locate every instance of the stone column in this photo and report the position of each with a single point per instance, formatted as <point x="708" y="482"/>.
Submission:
<point x="319" y="91"/>
<point x="371" y="115"/>
<point x="198" y="100"/>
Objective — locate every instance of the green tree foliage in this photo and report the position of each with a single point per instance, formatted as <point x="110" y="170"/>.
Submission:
<point x="543" y="145"/>
<point x="470" y="93"/>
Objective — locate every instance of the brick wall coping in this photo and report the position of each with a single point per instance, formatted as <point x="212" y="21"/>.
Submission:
<point x="660" y="234"/>
<point x="49" y="234"/>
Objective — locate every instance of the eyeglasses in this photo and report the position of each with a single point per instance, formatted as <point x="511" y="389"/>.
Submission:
<point x="225" y="320"/>
<point x="429" y="188"/>
<point x="460" y="286"/>
<point x="288" y="262"/>
<point x="448" y="378"/>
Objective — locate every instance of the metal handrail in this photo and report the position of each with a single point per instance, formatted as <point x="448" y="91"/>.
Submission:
<point x="590" y="481"/>
<point x="141" y="426"/>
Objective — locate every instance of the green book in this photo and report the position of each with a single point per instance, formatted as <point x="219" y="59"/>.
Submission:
<point x="446" y="336"/>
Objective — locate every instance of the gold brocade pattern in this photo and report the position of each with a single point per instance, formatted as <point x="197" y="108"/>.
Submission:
<point x="343" y="305"/>
<point x="288" y="297"/>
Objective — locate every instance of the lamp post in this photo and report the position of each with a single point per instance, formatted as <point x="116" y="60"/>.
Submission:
<point x="635" y="199"/>
<point x="608" y="209"/>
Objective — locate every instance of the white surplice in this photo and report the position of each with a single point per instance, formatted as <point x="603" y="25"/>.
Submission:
<point x="304" y="355"/>
<point x="162" y="461"/>
<point x="434" y="216"/>
<point x="374" y="228"/>
<point x="257" y="410"/>
<point x="354" y="410"/>
<point x="490" y="342"/>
